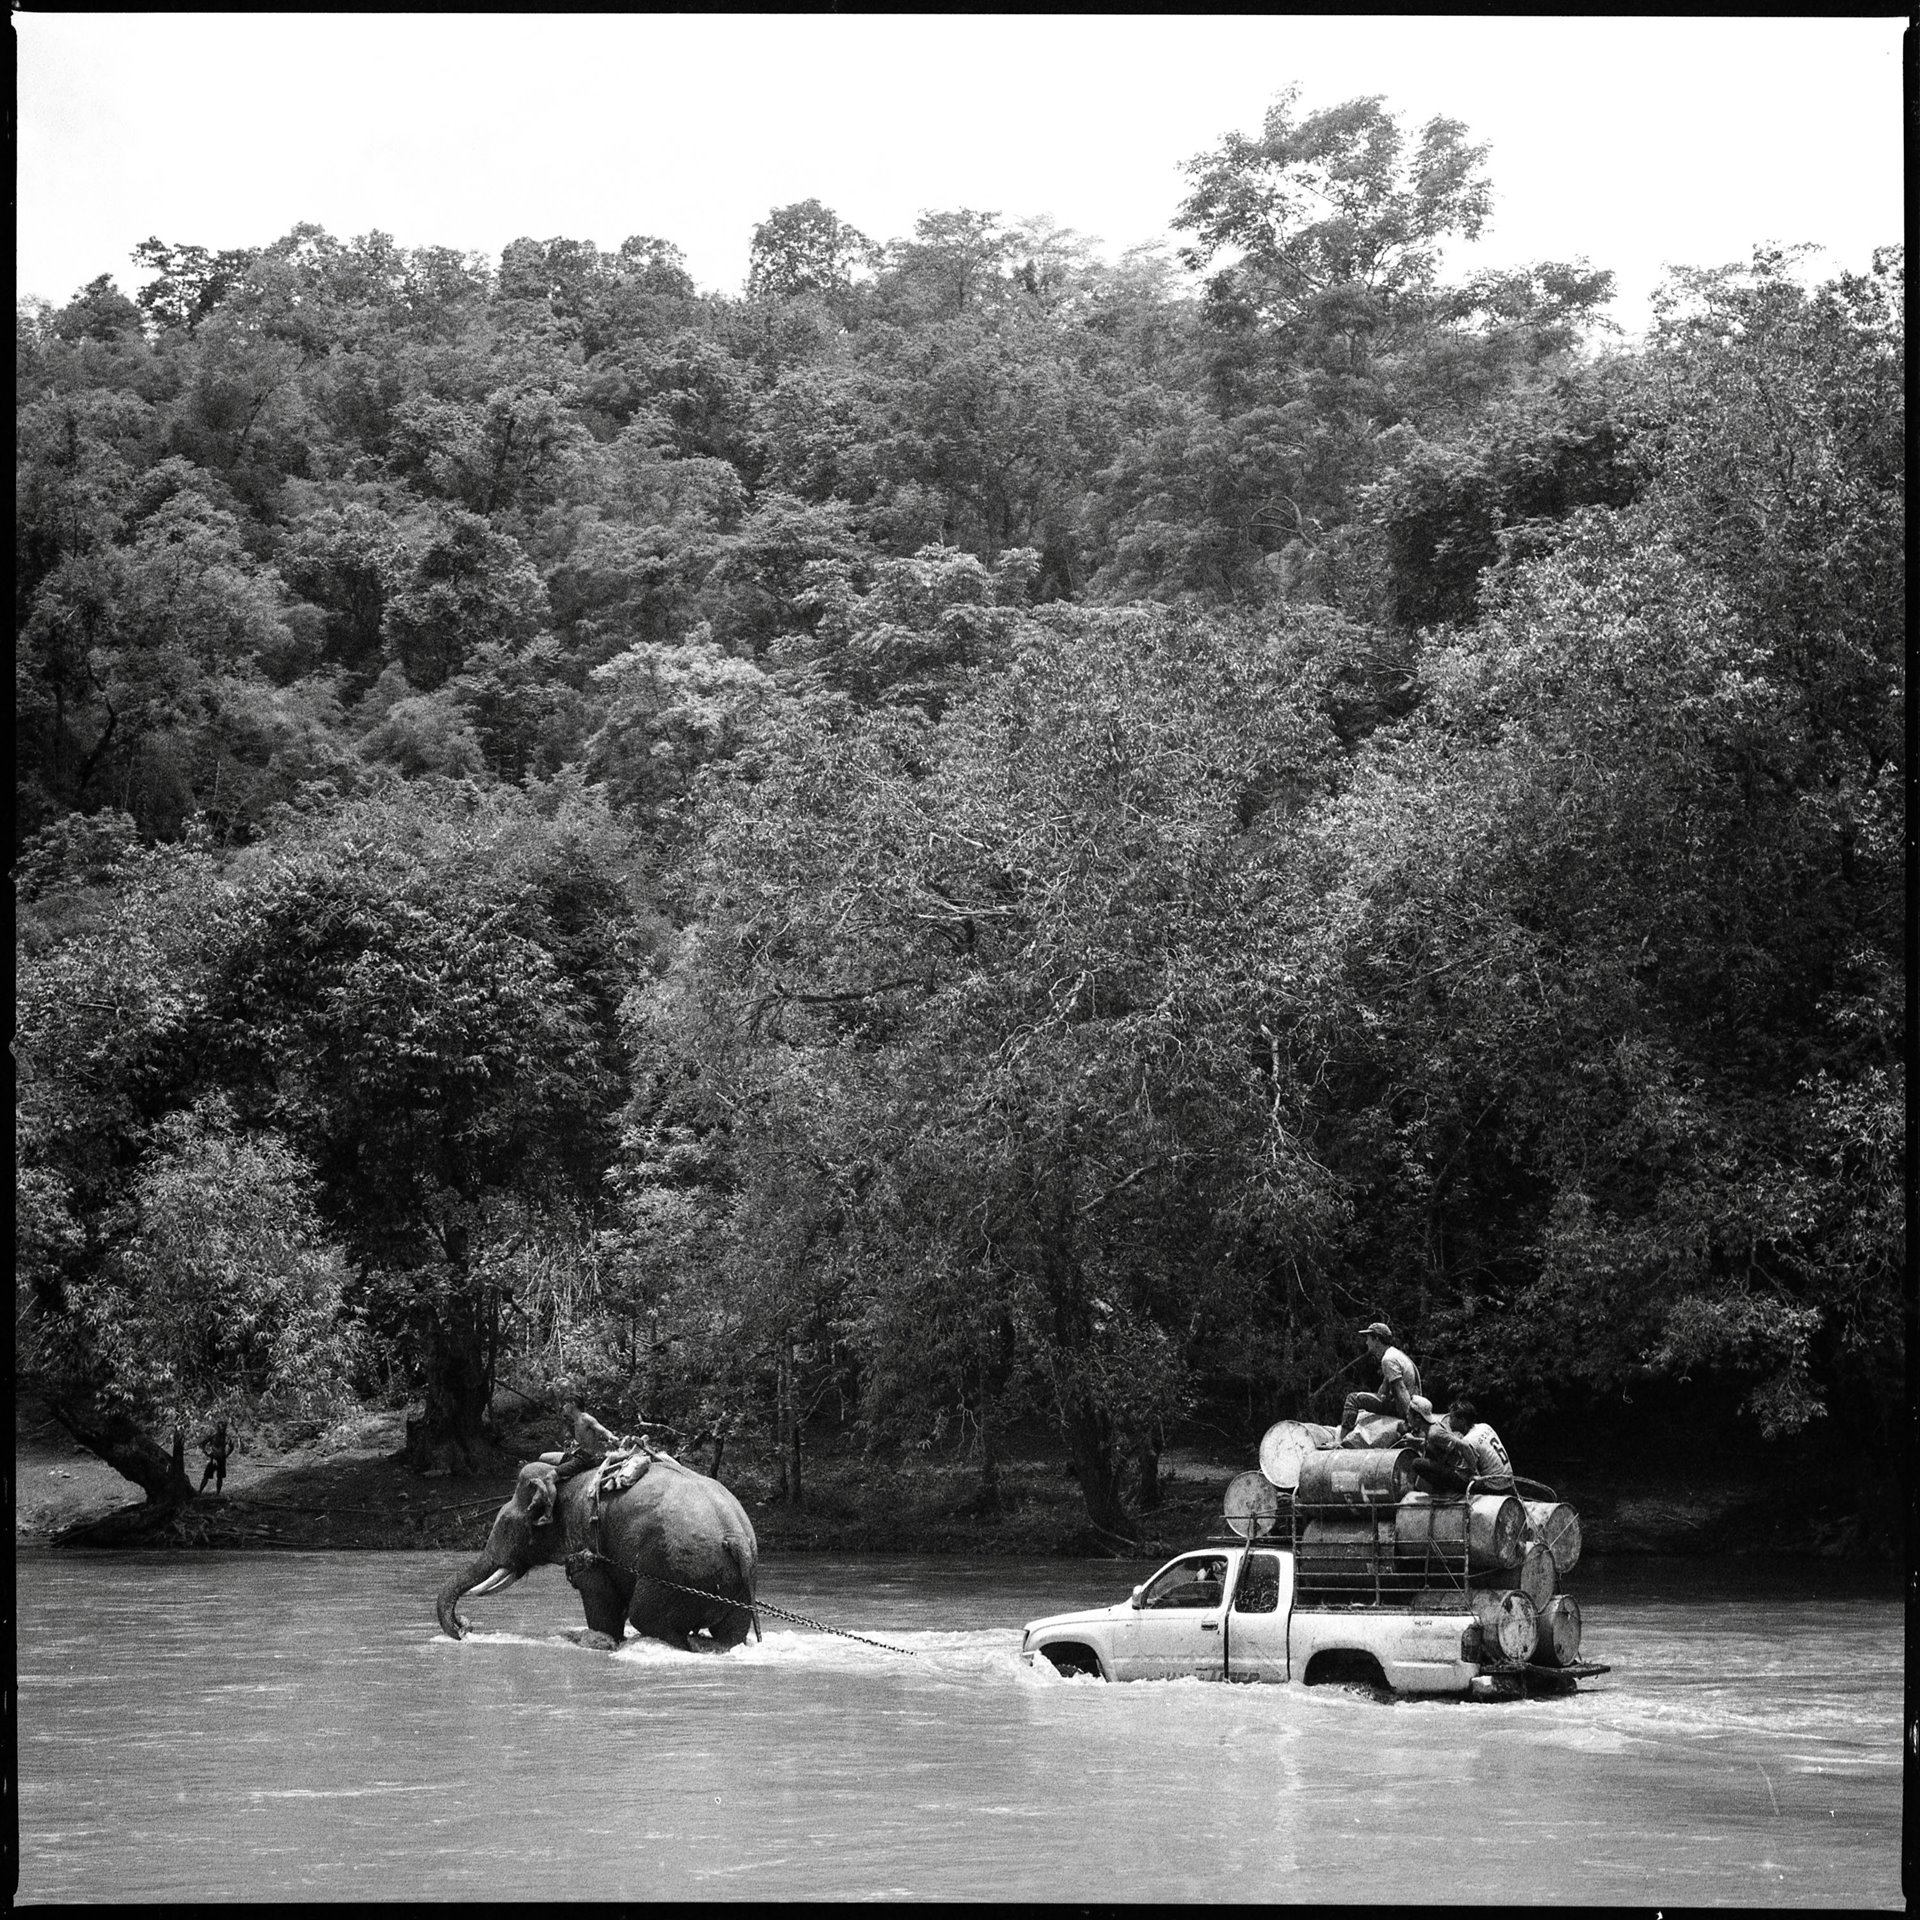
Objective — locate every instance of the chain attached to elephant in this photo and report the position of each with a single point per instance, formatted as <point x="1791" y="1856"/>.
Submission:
<point x="587" y="1556"/>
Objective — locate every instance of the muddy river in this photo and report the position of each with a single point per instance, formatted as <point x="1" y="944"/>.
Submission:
<point x="293" y="1726"/>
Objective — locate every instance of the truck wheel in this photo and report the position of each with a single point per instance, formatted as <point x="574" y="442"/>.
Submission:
<point x="1069" y="1661"/>
<point x="1342" y="1666"/>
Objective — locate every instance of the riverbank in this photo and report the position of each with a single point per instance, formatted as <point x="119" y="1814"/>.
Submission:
<point x="346" y="1489"/>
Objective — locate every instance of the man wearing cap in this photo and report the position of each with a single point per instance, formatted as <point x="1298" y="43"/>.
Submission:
<point x="1399" y="1392"/>
<point x="1461" y="1450"/>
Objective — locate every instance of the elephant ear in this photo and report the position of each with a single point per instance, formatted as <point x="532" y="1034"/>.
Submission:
<point x="535" y="1491"/>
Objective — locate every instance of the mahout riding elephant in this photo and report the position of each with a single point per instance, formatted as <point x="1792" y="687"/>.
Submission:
<point x="672" y="1530"/>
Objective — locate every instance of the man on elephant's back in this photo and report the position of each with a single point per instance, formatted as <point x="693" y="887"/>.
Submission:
<point x="588" y="1442"/>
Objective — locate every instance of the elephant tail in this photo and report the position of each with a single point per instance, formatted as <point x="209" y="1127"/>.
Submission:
<point x="745" y="1568"/>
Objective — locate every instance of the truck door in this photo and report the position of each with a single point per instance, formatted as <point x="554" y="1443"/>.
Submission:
<point x="1178" y="1627"/>
<point x="1256" y="1626"/>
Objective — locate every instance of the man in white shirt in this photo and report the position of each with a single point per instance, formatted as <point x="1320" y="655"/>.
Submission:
<point x="1399" y="1385"/>
<point x="1471" y="1452"/>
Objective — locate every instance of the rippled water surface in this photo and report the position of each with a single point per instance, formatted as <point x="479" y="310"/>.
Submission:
<point x="238" y="1726"/>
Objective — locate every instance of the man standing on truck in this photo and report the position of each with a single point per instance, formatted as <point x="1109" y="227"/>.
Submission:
<point x="1472" y="1451"/>
<point x="1399" y="1385"/>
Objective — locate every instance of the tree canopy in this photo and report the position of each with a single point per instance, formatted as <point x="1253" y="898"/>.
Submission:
<point x="1003" y="836"/>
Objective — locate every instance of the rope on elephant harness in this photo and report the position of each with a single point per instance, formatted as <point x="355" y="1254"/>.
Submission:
<point x="752" y="1606"/>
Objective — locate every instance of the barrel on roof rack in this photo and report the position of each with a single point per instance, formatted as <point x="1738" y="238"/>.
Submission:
<point x="1286" y="1443"/>
<point x="1493" y="1527"/>
<point x="1535" y="1576"/>
<point x="1251" y="1505"/>
<point x="1342" y="1477"/>
<point x="1508" y="1625"/>
<point x="1559" y="1632"/>
<point x="1556" y="1526"/>
<point x="1441" y="1600"/>
<point x="1354" y="1546"/>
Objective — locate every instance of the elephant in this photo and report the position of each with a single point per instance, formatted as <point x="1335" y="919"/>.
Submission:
<point x="673" y="1529"/>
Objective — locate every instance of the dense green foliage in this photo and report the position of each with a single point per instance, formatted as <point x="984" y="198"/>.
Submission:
<point x="972" y="835"/>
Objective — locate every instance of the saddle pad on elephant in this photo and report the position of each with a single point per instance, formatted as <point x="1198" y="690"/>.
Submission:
<point x="619" y="1471"/>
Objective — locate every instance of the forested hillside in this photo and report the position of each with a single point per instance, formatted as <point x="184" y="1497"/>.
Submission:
<point x="975" y="834"/>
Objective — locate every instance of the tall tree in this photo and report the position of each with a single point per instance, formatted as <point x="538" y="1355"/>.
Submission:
<point x="972" y="975"/>
<point x="1331" y="219"/>
<point x="805" y="248"/>
<point x="169" y="1264"/>
<point x="420" y="990"/>
<point x="465" y="586"/>
<point x="189" y="281"/>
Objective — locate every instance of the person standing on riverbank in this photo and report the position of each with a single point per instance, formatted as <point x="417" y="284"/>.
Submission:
<point x="217" y="1449"/>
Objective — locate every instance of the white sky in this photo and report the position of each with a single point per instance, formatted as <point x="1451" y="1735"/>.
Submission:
<point x="1634" y="142"/>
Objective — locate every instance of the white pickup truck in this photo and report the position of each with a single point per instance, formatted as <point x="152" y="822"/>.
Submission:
<point x="1229" y="1613"/>
<point x="1356" y="1580"/>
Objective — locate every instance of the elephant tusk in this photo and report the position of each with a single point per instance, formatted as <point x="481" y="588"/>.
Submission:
<point x="503" y="1577"/>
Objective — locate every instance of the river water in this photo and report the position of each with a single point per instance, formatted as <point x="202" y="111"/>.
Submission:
<point x="293" y="1726"/>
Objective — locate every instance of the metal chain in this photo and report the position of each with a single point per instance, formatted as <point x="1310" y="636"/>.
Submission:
<point x="764" y="1606"/>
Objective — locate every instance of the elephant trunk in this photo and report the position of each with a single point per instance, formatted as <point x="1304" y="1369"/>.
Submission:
<point x="482" y="1577"/>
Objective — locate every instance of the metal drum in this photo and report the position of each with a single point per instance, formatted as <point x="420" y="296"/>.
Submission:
<point x="1535" y="1575"/>
<point x="1492" y="1526"/>
<point x="1509" y="1626"/>
<point x="1286" y="1444"/>
<point x="1440" y="1600"/>
<point x="1556" y="1526"/>
<point x="1251" y="1505"/>
<point x="1343" y="1477"/>
<point x="1559" y="1632"/>
<point x="1359" y="1547"/>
